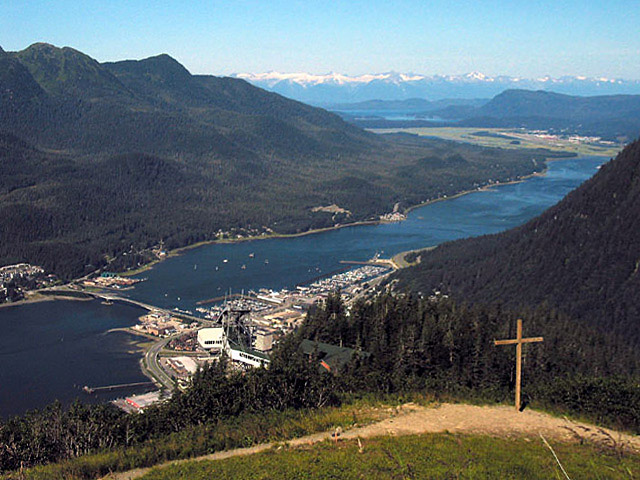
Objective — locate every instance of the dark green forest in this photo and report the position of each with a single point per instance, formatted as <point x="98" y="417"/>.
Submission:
<point x="435" y="344"/>
<point x="411" y="345"/>
<point x="101" y="159"/>
<point x="614" y="117"/>
<point x="581" y="256"/>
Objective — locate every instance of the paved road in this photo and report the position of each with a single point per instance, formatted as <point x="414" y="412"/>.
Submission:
<point x="152" y="363"/>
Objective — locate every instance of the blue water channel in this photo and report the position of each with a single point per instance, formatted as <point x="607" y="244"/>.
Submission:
<point x="202" y="273"/>
<point x="49" y="349"/>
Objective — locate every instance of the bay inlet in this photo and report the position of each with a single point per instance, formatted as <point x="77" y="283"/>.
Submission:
<point x="49" y="350"/>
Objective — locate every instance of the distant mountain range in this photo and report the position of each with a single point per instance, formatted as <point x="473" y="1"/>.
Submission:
<point x="335" y="88"/>
<point x="613" y="117"/>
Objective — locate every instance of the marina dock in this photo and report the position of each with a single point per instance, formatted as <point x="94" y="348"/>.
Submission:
<point x="91" y="390"/>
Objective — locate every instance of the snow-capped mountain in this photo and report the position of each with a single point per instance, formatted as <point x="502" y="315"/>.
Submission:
<point x="339" y="88"/>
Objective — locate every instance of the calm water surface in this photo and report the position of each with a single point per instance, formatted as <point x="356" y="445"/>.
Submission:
<point x="182" y="281"/>
<point x="49" y="349"/>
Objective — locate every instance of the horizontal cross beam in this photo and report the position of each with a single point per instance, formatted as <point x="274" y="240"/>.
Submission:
<point x="515" y="341"/>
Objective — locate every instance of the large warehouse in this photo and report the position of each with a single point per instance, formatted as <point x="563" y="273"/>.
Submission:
<point x="211" y="338"/>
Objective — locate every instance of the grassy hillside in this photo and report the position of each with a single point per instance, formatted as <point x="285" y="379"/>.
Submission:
<point x="435" y="456"/>
<point x="417" y="349"/>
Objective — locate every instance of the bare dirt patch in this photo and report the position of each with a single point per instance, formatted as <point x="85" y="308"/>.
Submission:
<point x="410" y="419"/>
<point x="331" y="209"/>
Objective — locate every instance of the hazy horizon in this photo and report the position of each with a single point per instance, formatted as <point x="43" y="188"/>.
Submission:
<point x="571" y="38"/>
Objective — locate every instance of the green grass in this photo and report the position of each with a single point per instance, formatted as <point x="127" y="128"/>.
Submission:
<point x="435" y="456"/>
<point x="470" y="457"/>
<point x="243" y="431"/>
<point x="502" y="138"/>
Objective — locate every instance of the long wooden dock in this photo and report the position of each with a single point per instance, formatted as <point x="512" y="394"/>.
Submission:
<point x="221" y="298"/>
<point x="90" y="390"/>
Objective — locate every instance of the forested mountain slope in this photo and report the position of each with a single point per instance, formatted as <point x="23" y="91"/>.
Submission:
<point x="528" y="103"/>
<point x="102" y="159"/>
<point x="610" y="116"/>
<point x="157" y="106"/>
<point x="581" y="256"/>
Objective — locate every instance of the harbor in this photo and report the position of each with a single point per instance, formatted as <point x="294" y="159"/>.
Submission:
<point x="67" y="341"/>
<point x="260" y="319"/>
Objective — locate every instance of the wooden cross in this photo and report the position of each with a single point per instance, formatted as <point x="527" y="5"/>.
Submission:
<point x="518" y="341"/>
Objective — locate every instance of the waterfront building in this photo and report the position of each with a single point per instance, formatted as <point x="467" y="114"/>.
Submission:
<point x="211" y="338"/>
<point x="139" y="403"/>
<point x="247" y="356"/>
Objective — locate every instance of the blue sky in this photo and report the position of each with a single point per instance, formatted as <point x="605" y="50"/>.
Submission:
<point x="526" y="38"/>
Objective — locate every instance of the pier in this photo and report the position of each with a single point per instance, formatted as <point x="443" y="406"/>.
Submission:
<point x="378" y="262"/>
<point x="222" y="298"/>
<point x="91" y="390"/>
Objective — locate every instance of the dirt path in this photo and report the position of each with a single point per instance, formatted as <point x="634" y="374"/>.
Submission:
<point x="499" y="421"/>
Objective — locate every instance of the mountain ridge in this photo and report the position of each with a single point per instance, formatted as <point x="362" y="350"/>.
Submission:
<point x="68" y="72"/>
<point x="115" y="157"/>
<point x="579" y="256"/>
<point x="339" y="88"/>
<point x="614" y="117"/>
<point x="103" y="104"/>
<point x="526" y="103"/>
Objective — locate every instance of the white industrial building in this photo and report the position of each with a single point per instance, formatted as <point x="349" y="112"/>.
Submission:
<point x="211" y="338"/>
<point x="214" y="338"/>
<point x="247" y="356"/>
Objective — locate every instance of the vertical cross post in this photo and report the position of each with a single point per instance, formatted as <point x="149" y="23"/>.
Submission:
<point x="518" y="362"/>
<point x="518" y="341"/>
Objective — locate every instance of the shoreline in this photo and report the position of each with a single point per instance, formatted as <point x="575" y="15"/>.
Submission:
<point x="488" y="187"/>
<point x="397" y="259"/>
<point x="40" y="298"/>
<point x="178" y="251"/>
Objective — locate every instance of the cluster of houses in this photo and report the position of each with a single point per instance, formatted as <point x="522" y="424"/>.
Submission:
<point x="393" y="217"/>
<point x="18" y="278"/>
